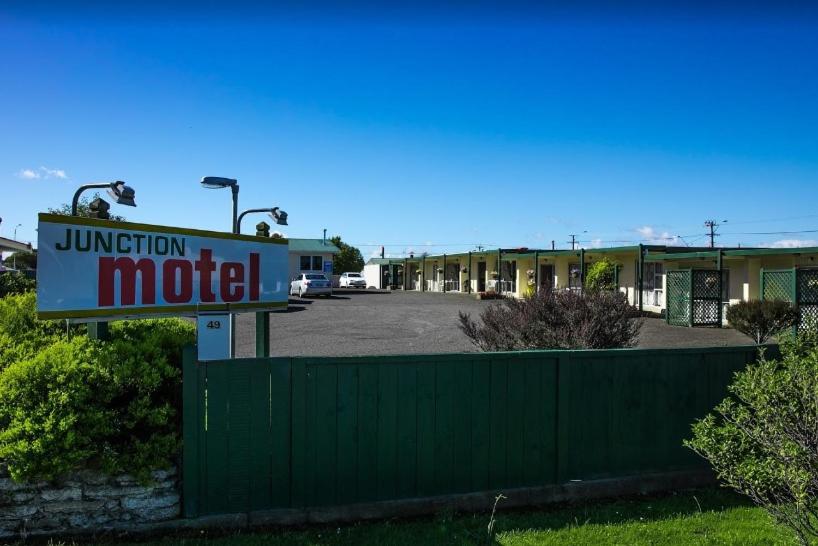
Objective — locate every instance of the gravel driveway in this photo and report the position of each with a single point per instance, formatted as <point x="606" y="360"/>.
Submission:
<point x="370" y="323"/>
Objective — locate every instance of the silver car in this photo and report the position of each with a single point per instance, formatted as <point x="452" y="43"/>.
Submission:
<point x="352" y="280"/>
<point x="311" y="284"/>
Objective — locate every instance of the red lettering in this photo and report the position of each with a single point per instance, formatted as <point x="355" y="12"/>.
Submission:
<point x="205" y="265"/>
<point x="169" y="269"/>
<point x="127" y="280"/>
<point x="232" y="273"/>
<point x="255" y="271"/>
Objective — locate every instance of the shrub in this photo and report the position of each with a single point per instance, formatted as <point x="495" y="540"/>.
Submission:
<point x="21" y="334"/>
<point x="73" y="403"/>
<point x="15" y="283"/>
<point x="557" y="320"/>
<point x="762" y="320"/>
<point x="601" y="276"/>
<point x="52" y="409"/>
<point x="763" y="440"/>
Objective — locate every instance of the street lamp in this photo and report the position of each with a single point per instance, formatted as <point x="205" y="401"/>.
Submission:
<point x="219" y="182"/>
<point x="119" y="192"/>
<point x="14" y="256"/>
<point x="122" y="194"/>
<point x="278" y="216"/>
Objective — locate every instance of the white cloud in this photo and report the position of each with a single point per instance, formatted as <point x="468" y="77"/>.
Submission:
<point x="55" y="173"/>
<point x="651" y="236"/>
<point x="27" y="174"/>
<point x="42" y="172"/>
<point x="793" y="243"/>
<point x="596" y="243"/>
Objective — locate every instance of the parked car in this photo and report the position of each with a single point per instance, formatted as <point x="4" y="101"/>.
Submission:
<point x="311" y="284"/>
<point x="352" y="280"/>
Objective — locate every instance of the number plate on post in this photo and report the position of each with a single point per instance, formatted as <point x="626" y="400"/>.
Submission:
<point x="213" y="336"/>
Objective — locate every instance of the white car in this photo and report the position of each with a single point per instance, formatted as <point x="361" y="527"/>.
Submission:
<point x="352" y="280"/>
<point x="311" y="284"/>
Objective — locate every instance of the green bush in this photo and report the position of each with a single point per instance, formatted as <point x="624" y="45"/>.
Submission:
<point x="73" y="403"/>
<point x="601" y="275"/>
<point x="763" y="440"/>
<point x="762" y="319"/>
<point x="21" y="334"/>
<point x="15" y="283"/>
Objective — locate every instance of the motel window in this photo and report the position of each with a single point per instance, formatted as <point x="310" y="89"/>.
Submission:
<point x="652" y="276"/>
<point x="311" y="263"/>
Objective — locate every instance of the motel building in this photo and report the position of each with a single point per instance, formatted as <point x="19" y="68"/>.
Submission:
<point x="697" y="283"/>
<point x="311" y="256"/>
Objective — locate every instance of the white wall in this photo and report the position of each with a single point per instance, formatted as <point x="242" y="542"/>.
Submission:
<point x="372" y="274"/>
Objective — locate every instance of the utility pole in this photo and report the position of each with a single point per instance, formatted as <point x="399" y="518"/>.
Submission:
<point x="573" y="241"/>
<point x="712" y="225"/>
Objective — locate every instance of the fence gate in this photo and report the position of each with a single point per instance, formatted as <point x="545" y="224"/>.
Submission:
<point x="694" y="297"/>
<point x="799" y="286"/>
<point x="678" y="297"/>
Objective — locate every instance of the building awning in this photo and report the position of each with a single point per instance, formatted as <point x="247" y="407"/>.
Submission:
<point x="10" y="245"/>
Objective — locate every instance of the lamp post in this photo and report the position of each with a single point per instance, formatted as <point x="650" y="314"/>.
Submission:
<point x="14" y="256"/>
<point x="122" y="194"/>
<point x="263" y="317"/>
<point x="118" y="191"/>
<point x="219" y="182"/>
<point x="278" y="216"/>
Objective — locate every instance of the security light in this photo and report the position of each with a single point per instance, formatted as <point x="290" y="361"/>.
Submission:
<point x="279" y="216"/>
<point x="217" y="182"/>
<point x="122" y="194"/>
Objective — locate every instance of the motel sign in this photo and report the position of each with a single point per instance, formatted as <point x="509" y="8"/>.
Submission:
<point x="94" y="270"/>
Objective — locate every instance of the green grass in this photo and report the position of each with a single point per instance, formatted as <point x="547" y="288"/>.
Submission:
<point x="698" y="517"/>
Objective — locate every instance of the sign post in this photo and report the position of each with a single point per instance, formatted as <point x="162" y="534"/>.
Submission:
<point x="93" y="270"/>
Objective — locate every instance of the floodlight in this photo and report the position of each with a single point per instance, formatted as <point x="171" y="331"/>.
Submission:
<point x="218" y="182"/>
<point x="122" y="194"/>
<point x="279" y="216"/>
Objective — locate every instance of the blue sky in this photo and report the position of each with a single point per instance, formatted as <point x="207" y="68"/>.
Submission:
<point x="422" y="130"/>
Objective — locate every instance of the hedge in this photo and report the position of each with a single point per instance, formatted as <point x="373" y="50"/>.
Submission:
<point x="68" y="402"/>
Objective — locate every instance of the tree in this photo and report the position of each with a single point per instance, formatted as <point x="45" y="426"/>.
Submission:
<point x="349" y="259"/>
<point x="555" y="320"/>
<point x="762" y="319"/>
<point x="601" y="275"/>
<point x="763" y="439"/>
<point x="83" y="209"/>
<point x="22" y="260"/>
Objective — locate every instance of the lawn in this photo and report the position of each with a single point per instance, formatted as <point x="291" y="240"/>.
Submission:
<point x="697" y="517"/>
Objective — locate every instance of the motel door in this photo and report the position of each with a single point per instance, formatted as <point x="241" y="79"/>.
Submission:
<point x="481" y="276"/>
<point x="546" y="277"/>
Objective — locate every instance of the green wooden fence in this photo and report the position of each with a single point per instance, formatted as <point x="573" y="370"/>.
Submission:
<point x="303" y="432"/>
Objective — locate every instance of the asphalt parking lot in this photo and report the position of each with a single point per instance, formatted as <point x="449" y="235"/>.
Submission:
<point x="371" y="323"/>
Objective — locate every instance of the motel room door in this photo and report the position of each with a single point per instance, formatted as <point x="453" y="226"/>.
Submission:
<point x="481" y="276"/>
<point x="546" y="277"/>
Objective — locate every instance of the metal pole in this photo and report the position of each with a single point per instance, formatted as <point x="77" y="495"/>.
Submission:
<point x="444" y="273"/>
<point x="640" y="265"/>
<point x="468" y="274"/>
<point x="423" y="274"/>
<point x="536" y="271"/>
<point x="235" y="228"/>
<point x="719" y="265"/>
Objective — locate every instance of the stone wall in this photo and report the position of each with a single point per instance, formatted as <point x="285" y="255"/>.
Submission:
<point x="85" y="502"/>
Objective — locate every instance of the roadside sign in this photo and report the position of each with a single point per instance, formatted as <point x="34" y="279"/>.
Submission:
<point x="328" y="267"/>
<point x="97" y="270"/>
<point x="213" y="336"/>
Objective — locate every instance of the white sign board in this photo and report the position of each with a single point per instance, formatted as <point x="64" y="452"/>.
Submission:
<point x="213" y="336"/>
<point x="90" y="270"/>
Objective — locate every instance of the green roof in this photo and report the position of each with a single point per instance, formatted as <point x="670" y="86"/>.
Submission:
<point x="317" y="246"/>
<point x="385" y="261"/>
